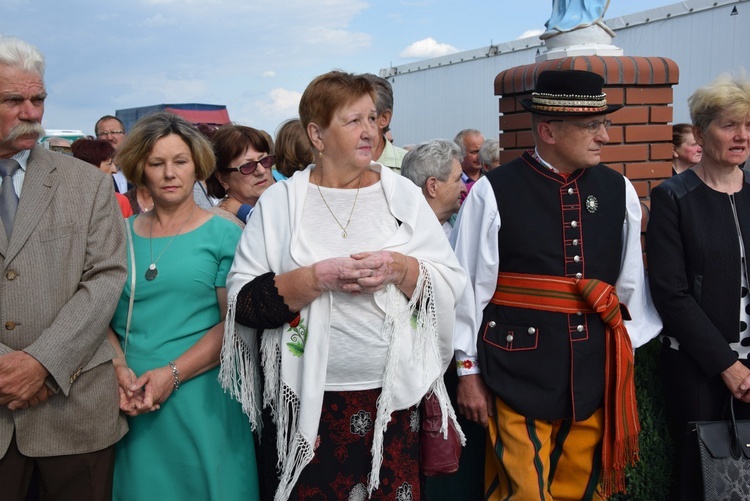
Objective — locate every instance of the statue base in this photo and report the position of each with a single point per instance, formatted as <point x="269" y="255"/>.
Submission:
<point x="588" y="49"/>
<point x="593" y="40"/>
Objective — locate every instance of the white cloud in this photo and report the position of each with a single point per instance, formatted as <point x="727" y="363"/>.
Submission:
<point x="345" y="42"/>
<point x="269" y="74"/>
<point x="427" y="48"/>
<point x="530" y="33"/>
<point x="159" y="20"/>
<point x="283" y="102"/>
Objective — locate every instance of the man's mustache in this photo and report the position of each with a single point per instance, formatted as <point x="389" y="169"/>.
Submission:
<point x="26" y="129"/>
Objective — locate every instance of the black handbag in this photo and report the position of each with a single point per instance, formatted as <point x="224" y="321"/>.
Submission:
<point x="724" y="448"/>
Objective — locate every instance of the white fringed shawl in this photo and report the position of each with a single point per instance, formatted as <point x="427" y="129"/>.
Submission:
<point x="419" y="349"/>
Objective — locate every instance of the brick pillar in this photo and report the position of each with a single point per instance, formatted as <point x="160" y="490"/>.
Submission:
<point x="641" y="135"/>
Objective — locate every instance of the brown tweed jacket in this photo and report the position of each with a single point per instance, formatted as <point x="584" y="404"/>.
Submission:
<point x="62" y="274"/>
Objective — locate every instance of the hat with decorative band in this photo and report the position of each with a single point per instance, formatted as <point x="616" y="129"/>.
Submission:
<point x="569" y="92"/>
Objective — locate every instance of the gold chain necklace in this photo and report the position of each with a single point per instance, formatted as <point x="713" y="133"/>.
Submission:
<point x="344" y="234"/>
<point x="152" y="272"/>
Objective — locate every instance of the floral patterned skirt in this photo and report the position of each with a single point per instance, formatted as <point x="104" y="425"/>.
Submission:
<point x="343" y="460"/>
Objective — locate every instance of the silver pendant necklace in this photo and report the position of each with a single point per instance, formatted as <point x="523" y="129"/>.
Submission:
<point x="344" y="234"/>
<point x="152" y="272"/>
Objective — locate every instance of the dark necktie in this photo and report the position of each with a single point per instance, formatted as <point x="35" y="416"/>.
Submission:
<point x="8" y="197"/>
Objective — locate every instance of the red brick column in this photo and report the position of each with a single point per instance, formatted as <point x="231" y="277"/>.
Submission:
<point x="641" y="134"/>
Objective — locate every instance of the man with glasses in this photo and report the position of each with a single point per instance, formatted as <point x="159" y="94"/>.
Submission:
<point x="551" y="241"/>
<point x="112" y="130"/>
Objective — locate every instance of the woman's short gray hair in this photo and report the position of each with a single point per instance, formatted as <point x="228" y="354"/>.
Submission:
<point x="489" y="153"/>
<point x="430" y="159"/>
<point x="16" y="53"/>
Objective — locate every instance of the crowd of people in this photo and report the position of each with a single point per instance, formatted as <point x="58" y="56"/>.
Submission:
<point x="195" y="312"/>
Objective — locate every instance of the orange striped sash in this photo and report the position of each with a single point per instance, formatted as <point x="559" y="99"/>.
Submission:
<point x="569" y="295"/>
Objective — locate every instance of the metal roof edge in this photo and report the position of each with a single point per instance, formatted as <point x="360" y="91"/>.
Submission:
<point x="530" y="43"/>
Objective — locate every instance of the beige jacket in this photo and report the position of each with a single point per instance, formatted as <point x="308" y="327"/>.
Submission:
<point x="61" y="276"/>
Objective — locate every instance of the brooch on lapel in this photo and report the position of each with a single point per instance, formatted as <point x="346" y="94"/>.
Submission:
<point x="592" y="203"/>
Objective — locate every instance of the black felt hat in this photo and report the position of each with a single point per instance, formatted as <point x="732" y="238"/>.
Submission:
<point x="569" y="93"/>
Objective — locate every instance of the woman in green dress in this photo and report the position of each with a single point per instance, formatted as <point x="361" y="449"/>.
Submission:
<point x="187" y="439"/>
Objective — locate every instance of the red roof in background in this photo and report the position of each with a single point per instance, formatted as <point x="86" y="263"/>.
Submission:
<point x="219" y="117"/>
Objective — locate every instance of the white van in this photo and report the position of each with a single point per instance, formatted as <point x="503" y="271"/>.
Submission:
<point x="69" y="134"/>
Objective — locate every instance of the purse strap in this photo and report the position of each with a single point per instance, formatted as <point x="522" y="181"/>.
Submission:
<point x="132" y="284"/>
<point x="734" y="445"/>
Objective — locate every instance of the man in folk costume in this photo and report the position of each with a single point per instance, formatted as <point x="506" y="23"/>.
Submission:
<point x="557" y="302"/>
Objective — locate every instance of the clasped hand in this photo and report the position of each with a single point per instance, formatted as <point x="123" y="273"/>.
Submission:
<point x="145" y="393"/>
<point x="362" y="272"/>
<point x="22" y="381"/>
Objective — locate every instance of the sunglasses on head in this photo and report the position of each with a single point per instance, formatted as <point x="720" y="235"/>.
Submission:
<point x="249" y="168"/>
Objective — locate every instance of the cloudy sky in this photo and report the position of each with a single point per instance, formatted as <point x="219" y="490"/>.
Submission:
<point x="256" y="57"/>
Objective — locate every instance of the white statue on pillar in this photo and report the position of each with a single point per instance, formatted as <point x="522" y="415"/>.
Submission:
<point x="576" y="28"/>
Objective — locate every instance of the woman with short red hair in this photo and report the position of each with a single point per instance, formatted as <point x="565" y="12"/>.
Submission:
<point x="101" y="155"/>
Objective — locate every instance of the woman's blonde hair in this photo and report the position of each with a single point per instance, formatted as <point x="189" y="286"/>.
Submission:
<point x="730" y="94"/>
<point x="140" y="141"/>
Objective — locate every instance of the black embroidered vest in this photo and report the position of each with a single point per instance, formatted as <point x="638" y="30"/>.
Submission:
<point x="551" y="365"/>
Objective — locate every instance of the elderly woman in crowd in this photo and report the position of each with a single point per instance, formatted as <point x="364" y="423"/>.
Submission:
<point x="435" y="166"/>
<point x="354" y="290"/>
<point x="489" y="154"/>
<point x="686" y="151"/>
<point x="293" y="150"/>
<point x="698" y="240"/>
<point x="243" y="169"/>
<point x="187" y="439"/>
<point x="101" y="154"/>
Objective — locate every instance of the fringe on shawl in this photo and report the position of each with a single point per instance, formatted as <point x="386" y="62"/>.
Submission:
<point x="294" y="455"/>
<point x="239" y="376"/>
<point x="238" y="373"/>
<point x="398" y="317"/>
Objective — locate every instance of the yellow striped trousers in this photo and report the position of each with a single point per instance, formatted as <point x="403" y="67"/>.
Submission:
<point x="532" y="460"/>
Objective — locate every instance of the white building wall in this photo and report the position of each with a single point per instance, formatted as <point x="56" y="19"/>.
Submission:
<point x="438" y="97"/>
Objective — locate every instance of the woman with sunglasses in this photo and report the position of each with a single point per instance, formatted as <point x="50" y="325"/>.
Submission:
<point x="243" y="169"/>
<point x="346" y="278"/>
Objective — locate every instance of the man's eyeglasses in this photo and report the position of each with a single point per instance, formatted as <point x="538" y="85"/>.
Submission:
<point x="106" y="133"/>
<point x="249" y="168"/>
<point x="592" y="127"/>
